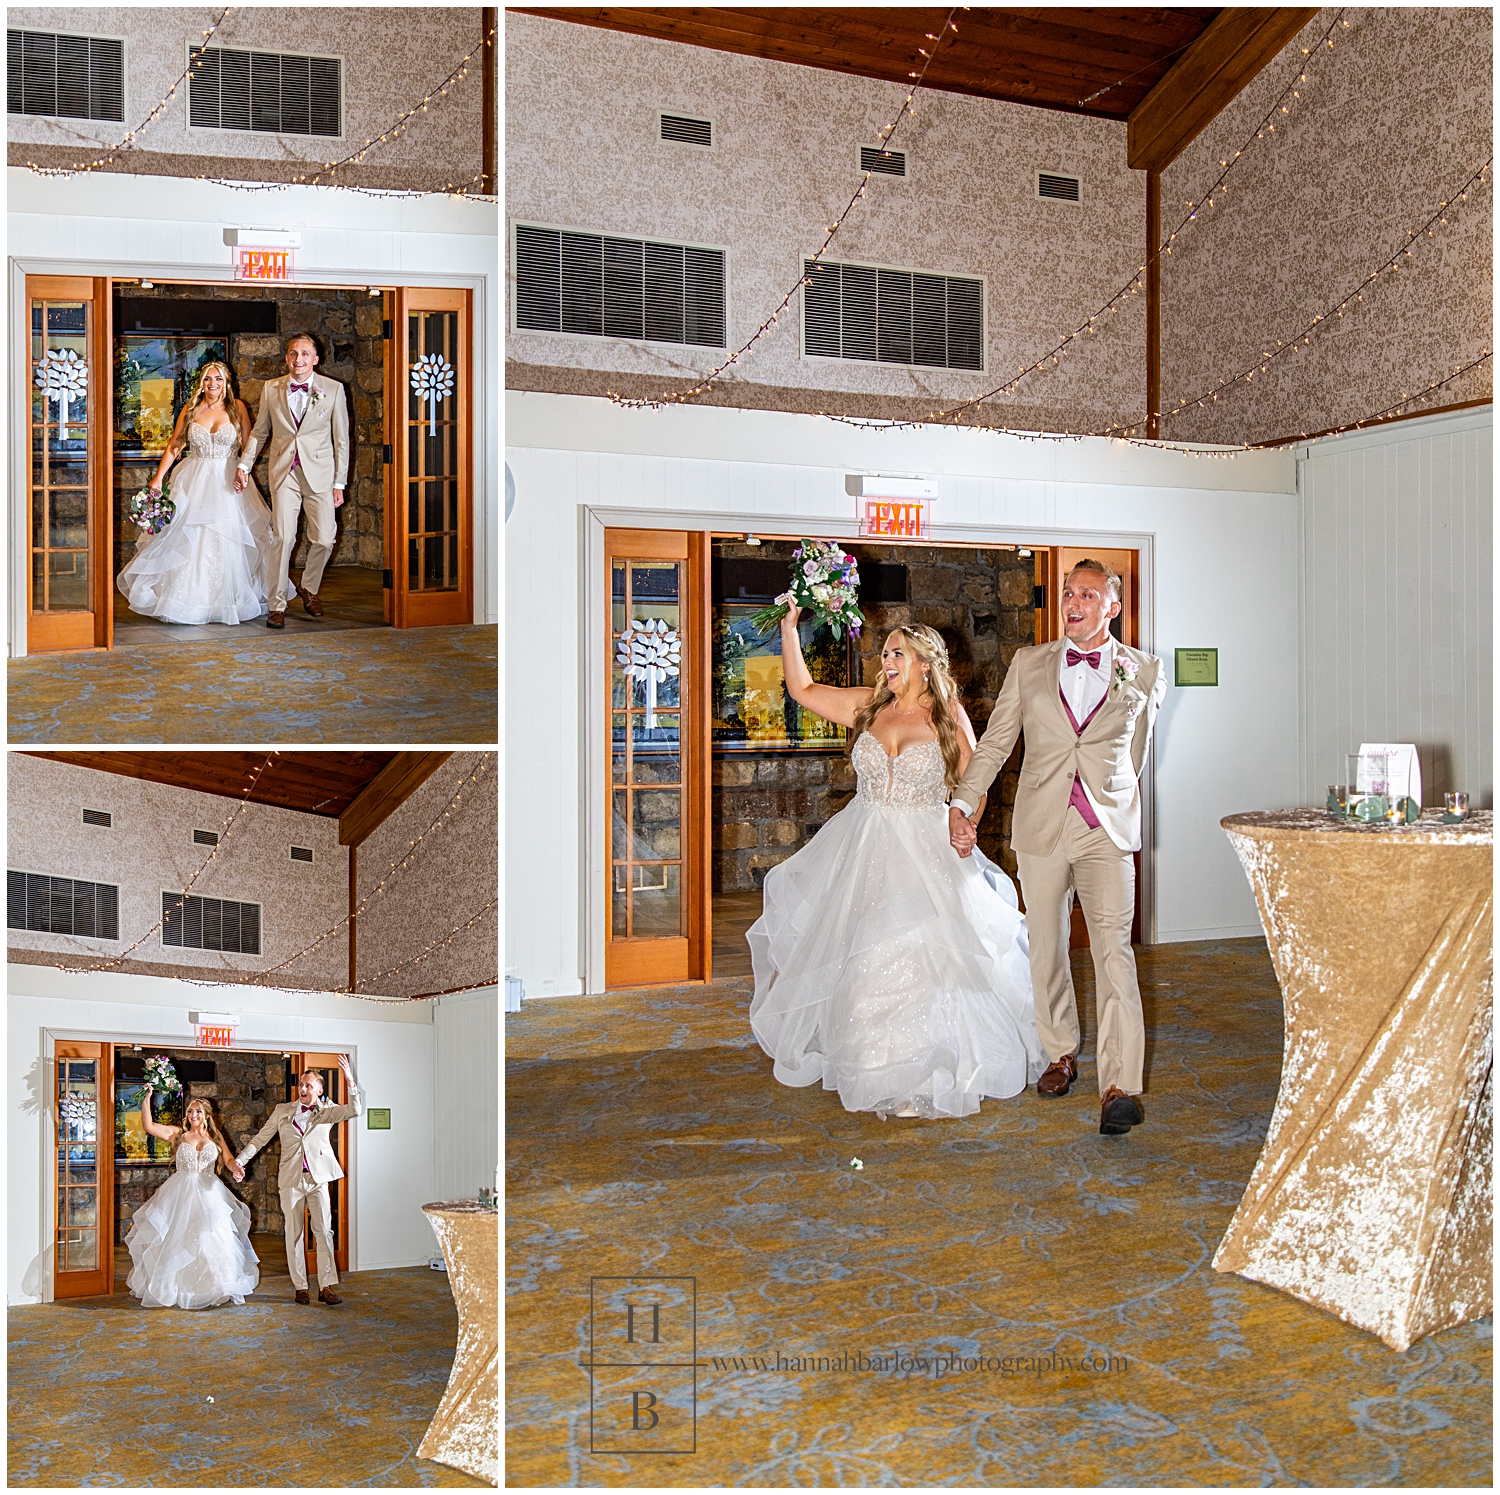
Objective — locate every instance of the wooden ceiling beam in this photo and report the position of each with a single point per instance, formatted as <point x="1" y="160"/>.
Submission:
<point x="1213" y="71"/>
<point x="386" y="793"/>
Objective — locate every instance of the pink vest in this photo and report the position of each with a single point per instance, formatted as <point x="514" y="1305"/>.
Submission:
<point x="1078" y="799"/>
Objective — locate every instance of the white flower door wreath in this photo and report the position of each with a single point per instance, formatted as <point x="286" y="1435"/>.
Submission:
<point x="651" y="651"/>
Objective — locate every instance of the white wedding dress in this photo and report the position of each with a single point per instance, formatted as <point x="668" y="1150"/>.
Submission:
<point x="886" y="965"/>
<point x="209" y="564"/>
<point x="190" y="1243"/>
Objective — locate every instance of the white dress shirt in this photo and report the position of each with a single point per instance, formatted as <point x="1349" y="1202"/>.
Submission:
<point x="1083" y="687"/>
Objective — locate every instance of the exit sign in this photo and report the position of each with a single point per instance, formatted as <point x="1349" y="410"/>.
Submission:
<point x="263" y="264"/>
<point x="897" y="518"/>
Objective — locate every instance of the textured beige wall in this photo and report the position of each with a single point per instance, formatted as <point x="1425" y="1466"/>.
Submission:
<point x="581" y="153"/>
<point x="454" y="873"/>
<point x="1391" y="120"/>
<point x="392" y="57"/>
<point x="149" y="849"/>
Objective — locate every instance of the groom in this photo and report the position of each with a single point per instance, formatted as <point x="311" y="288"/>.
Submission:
<point x="308" y="423"/>
<point x="1087" y="705"/>
<point x="308" y="1165"/>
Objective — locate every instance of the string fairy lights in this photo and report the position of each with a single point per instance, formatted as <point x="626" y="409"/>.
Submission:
<point x="399" y="865"/>
<point x="391" y="133"/>
<point x="949" y="28"/>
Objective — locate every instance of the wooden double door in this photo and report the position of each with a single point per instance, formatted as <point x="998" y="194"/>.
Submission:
<point x="426" y="459"/>
<point x="83" y="1183"/>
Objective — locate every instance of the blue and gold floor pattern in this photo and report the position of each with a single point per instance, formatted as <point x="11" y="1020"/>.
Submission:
<point x="1040" y="1300"/>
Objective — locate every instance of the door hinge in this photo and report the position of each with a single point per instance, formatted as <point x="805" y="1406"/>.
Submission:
<point x="387" y="580"/>
<point x="387" y="454"/>
<point x="387" y="328"/>
<point x="1039" y="595"/>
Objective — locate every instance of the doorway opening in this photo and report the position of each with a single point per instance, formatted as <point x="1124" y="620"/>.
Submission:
<point x="779" y="773"/>
<point x="106" y="1166"/>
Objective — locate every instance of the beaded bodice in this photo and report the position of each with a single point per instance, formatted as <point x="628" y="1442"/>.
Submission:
<point x="191" y="1160"/>
<point x="214" y="444"/>
<point x="913" y="780"/>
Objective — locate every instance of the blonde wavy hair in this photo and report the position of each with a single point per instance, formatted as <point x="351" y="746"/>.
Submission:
<point x="927" y="645"/>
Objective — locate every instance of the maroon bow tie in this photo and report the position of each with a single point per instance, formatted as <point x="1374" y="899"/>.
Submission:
<point x="297" y="386"/>
<point x="1074" y="657"/>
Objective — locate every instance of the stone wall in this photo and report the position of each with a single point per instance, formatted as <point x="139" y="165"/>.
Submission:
<point x="348" y="325"/>
<point x="247" y="1087"/>
<point x="768" y="805"/>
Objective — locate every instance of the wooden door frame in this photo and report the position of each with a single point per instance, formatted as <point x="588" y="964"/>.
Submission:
<point x="342" y="1214"/>
<point x="402" y="609"/>
<point x="692" y="548"/>
<point x="48" y="633"/>
<point x="98" y="1282"/>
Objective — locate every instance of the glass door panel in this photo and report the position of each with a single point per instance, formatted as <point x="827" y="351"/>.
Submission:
<point x="657" y="841"/>
<point x="83" y="1184"/>
<point x="429" y="528"/>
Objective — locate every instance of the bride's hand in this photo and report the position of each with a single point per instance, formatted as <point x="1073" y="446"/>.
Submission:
<point x="793" y="613"/>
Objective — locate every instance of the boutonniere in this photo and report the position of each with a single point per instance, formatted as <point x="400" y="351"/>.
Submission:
<point x="1126" y="669"/>
<point x="314" y="395"/>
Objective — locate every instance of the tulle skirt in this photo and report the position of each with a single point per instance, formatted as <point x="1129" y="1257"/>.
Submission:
<point x="894" y="970"/>
<point x="209" y="564"/>
<point x="190" y="1246"/>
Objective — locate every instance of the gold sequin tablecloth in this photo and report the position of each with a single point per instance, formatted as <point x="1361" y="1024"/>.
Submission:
<point x="465" y="1431"/>
<point x="1371" y="1198"/>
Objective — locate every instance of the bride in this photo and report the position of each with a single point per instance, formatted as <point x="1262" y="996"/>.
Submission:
<point x="209" y="564"/>
<point x="190" y="1244"/>
<point x="885" y="965"/>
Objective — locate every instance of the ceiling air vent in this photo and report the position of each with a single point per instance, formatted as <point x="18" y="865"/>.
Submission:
<point x="681" y="130"/>
<point x="302" y="853"/>
<point x="205" y="838"/>
<point x="1057" y="188"/>
<point x="886" y="163"/>
<point x="97" y="817"/>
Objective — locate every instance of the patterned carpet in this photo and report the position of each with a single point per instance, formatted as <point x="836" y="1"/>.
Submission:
<point x="1040" y="1298"/>
<point x="416" y="685"/>
<point x="105" y="1392"/>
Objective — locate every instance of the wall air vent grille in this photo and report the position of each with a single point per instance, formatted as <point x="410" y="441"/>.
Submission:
<point x="1056" y="188"/>
<point x="302" y="853"/>
<point x="681" y="130"/>
<point x="205" y="838"/>
<point x="98" y="817"/>
<point x="270" y="93"/>
<point x="59" y="905"/>
<point x="210" y="923"/>
<point x="606" y="287"/>
<point x="884" y="163"/>
<point x="65" y="77"/>
<point x="892" y="316"/>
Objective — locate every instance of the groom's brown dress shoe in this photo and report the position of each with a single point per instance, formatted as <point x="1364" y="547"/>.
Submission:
<point x="275" y="620"/>
<point x="1118" y="1112"/>
<point x="310" y="603"/>
<point x="302" y="1295"/>
<point x="328" y="1296"/>
<point x="1059" y="1076"/>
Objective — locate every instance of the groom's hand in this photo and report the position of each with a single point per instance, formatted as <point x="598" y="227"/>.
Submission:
<point x="961" y="831"/>
<point x="338" y="497"/>
<point x="241" y="477"/>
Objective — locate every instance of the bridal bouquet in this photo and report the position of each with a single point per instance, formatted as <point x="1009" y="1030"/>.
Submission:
<point x="160" y="1075"/>
<point x="825" y="581"/>
<point x="152" y="512"/>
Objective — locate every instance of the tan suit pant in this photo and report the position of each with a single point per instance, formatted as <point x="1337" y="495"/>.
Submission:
<point x="306" y="1200"/>
<point x="295" y="496"/>
<point x="1086" y="863"/>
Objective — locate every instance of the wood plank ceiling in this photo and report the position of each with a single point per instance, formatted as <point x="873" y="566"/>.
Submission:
<point x="1051" y="58"/>
<point x="314" y="783"/>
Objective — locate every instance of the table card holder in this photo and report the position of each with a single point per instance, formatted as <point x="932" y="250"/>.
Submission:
<point x="1403" y="778"/>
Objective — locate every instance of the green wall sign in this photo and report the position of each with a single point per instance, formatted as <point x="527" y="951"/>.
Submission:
<point x="380" y="1119"/>
<point x="1197" y="667"/>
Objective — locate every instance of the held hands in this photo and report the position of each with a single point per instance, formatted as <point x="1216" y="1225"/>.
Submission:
<point x="241" y="478"/>
<point x="963" y="835"/>
<point x="239" y="1173"/>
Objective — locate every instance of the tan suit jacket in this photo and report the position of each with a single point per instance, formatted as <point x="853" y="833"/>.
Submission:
<point x="322" y="441"/>
<point x="1108" y="756"/>
<point x="315" y="1143"/>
